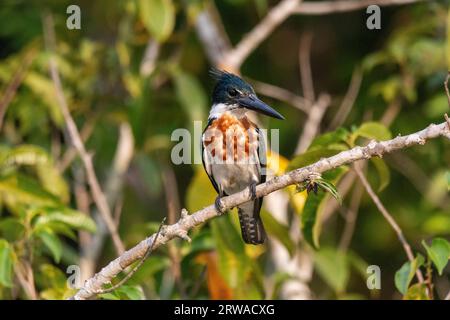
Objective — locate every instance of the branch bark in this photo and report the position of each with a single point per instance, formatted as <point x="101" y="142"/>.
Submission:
<point x="188" y="222"/>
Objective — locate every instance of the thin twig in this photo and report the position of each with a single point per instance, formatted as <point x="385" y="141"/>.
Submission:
<point x="71" y="152"/>
<point x="327" y="7"/>
<point x="446" y="87"/>
<point x="350" y="218"/>
<point x="312" y="125"/>
<point x="388" y="217"/>
<point x="97" y="193"/>
<point x="348" y="101"/>
<point x="304" y="59"/>
<point x="132" y="272"/>
<point x="281" y="94"/>
<point x="188" y="222"/>
<point x="173" y="205"/>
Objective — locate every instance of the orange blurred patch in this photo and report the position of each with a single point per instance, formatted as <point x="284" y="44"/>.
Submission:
<point x="217" y="286"/>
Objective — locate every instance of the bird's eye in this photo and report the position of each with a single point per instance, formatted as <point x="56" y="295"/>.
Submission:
<point x="232" y="92"/>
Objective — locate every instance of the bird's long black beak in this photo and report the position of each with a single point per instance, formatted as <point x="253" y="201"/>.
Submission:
<point x="253" y="103"/>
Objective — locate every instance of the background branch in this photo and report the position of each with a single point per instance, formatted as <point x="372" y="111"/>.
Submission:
<point x="388" y="218"/>
<point x="97" y="193"/>
<point x="234" y="58"/>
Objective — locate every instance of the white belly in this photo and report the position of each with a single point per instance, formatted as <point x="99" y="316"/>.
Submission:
<point x="235" y="177"/>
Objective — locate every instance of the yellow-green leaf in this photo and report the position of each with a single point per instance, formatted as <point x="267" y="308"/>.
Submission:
<point x="373" y="130"/>
<point x="6" y="263"/>
<point x="158" y="17"/>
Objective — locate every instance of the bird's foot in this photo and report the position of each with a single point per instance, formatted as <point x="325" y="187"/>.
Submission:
<point x="252" y="189"/>
<point x="219" y="205"/>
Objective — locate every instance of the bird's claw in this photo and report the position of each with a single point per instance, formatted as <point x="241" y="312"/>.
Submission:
<point x="219" y="205"/>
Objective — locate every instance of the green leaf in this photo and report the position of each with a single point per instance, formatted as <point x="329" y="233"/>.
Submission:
<point x="337" y="137"/>
<point x="333" y="268"/>
<point x="329" y="187"/>
<point x="130" y="292"/>
<point x="372" y="130"/>
<point x="233" y="263"/>
<point x="315" y="154"/>
<point x="384" y="175"/>
<point x="190" y="94"/>
<point x="200" y="192"/>
<point x="158" y="17"/>
<point x="11" y="229"/>
<point x="6" y="263"/>
<point x="18" y="188"/>
<point x="310" y="217"/>
<point x="40" y="160"/>
<point x="438" y="252"/>
<point x="28" y="155"/>
<point x="52" y="242"/>
<point x="406" y="273"/>
<point x="278" y="230"/>
<point x="73" y="218"/>
<point x="53" y="181"/>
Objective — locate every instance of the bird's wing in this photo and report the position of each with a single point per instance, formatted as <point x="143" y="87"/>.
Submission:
<point x="207" y="159"/>
<point x="261" y="168"/>
<point x="261" y="155"/>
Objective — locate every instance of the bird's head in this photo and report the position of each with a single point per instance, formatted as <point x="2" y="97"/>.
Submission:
<point x="233" y="93"/>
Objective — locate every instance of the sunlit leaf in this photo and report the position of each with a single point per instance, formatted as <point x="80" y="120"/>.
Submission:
<point x="438" y="252"/>
<point x="75" y="219"/>
<point x="40" y="160"/>
<point x="373" y="130"/>
<point x="200" y="191"/>
<point x="158" y="17"/>
<point x="417" y="291"/>
<point x="22" y="189"/>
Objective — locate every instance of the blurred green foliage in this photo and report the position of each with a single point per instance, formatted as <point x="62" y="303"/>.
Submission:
<point x="41" y="221"/>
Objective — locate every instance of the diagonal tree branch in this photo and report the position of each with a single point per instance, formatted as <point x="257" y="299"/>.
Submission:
<point x="188" y="222"/>
<point x="236" y="56"/>
<point x="388" y="217"/>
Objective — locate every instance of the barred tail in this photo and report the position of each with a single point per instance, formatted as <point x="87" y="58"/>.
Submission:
<point x="252" y="228"/>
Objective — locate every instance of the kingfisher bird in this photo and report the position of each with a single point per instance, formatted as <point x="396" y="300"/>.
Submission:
<point x="233" y="149"/>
